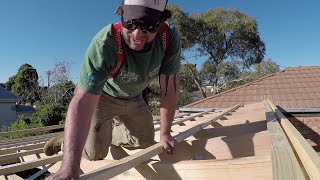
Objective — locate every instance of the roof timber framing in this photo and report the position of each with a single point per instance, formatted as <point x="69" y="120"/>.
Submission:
<point x="25" y="147"/>
<point x="10" y="133"/>
<point x="20" y="154"/>
<point x="285" y="158"/>
<point x="308" y="157"/>
<point x="127" y="163"/>
<point x="284" y="163"/>
<point x="47" y="160"/>
<point x="10" y="169"/>
<point x="186" y="119"/>
<point x="157" y="121"/>
<point x="26" y="141"/>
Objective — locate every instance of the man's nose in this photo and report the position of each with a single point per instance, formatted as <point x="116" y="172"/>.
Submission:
<point x="137" y="33"/>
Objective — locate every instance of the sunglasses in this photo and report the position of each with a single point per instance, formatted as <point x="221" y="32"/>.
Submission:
<point x="145" y="27"/>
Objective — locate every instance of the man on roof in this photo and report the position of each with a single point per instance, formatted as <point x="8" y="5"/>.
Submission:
<point x="120" y="62"/>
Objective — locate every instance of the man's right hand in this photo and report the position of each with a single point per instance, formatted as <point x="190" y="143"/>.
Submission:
<point x="64" y="175"/>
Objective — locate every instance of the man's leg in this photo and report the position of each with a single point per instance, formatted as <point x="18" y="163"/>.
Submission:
<point x="135" y="129"/>
<point x="100" y="133"/>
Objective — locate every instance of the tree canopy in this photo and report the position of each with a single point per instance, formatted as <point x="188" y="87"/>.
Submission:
<point x="220" y="36"/>
<point x="25" y="84"/>
<point x="186" y="82"/>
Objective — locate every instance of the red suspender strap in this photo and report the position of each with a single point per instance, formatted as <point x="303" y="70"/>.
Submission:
<point x="164" y="35"/>
<point x="116" y="33"/>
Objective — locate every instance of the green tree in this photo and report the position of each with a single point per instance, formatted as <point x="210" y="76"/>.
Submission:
<point x="154" y="101"/>
<point x="49" y="114"/>
<point x="186" y="81"/>
<point x="64" y="93"/>
<point x="25" y="65"/>
<point x="22" y="123"/>
<point x="260" y="70"/>
<point x="220" y="35"/>
<point x="26" y="85"/>
<point x="9" y="83"/>
<point x="265" y="68"/>
<point x="182" y="21"/>
<point x="183" y="97"/>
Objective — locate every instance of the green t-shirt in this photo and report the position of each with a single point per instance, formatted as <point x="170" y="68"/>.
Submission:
<point x="137" y="70"/>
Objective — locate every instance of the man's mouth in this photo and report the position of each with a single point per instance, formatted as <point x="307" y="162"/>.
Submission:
<point x="136" y="42"/>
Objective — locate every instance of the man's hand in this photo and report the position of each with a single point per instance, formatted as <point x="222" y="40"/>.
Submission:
<point x="168" y="142"/>
<point x="64" y="174"/>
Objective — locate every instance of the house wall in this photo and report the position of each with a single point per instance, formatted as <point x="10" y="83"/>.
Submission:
<point x="309" y="127"/>
<point x="7" y="113"/>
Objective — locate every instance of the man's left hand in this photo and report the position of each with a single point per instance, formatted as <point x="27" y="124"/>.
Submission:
<point x="168" y="142"/>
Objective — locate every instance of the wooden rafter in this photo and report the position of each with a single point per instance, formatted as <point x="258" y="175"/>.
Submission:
<point x="307" y="155"/>
<point x="284" y="163"/>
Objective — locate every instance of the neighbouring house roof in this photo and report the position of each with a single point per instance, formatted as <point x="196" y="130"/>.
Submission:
<point x="7" y="96"/>
<point x="297" y="87"/>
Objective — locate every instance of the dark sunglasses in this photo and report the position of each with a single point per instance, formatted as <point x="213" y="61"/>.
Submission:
<point x="145" y="27"/>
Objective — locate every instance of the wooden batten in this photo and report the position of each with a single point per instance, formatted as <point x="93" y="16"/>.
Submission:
<point x="157" y="121"/>
<point x="10" y="169"/>
<point x="157" y="128"/>
<point x="26" y="141"/>
<point x="284" y="163"/>
<point x="16" y="155"/>
<point x="307" y="155"/>
<point x="8" y="160"/>
<point x="26" y="147"/>
<point x="10" y="133"/>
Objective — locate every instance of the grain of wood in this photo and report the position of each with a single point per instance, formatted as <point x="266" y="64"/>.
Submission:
<point x="284" y="163"/>
<point x="306" y="154"/>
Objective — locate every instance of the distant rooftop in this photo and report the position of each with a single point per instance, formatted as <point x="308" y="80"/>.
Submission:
<point x="7" y="96"/>
<point x="297" y="87"/>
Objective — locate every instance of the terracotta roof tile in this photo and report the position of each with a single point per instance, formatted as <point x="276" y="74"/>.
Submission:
<point x="297" y="87"/>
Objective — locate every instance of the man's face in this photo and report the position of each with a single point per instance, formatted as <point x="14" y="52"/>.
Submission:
<point x="138" y="40"/>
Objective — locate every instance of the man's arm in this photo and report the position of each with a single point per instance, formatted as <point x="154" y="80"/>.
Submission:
<point x="169" y="88"/>
<point x="76" y="131"/>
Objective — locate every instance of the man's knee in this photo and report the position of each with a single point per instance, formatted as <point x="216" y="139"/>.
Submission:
<point x="94" y="156"/>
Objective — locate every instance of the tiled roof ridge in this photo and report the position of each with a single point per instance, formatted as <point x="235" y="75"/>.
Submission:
<point x="301" y="67"/>
<point x="250" y="83"/>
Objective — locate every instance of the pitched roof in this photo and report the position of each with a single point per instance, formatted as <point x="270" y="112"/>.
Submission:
<point x="297" y="87"/>
<point x="7" y="96"/>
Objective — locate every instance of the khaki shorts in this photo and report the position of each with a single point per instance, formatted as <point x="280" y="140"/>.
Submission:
<point x="121" y="122"/>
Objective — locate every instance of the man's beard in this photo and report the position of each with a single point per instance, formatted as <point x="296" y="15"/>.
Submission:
<point x="147" y="46"/>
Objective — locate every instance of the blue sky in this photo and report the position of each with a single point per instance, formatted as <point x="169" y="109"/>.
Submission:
<point x="41" y="32"/>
